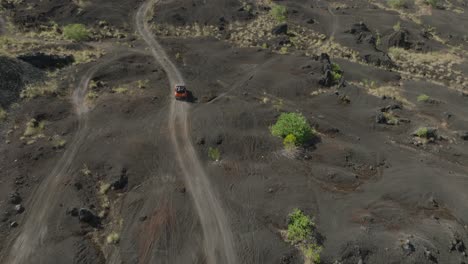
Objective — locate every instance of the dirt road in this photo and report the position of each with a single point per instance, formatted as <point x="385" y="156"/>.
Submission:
<point x="218" y="238"/>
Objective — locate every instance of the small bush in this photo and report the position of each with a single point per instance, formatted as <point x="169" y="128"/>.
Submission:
<point x="423" y="98"/>
<point x="337" y="73"/>
<point x="299" y="226"/>
<point x="113" y="238"/>
<point x="120" y="90"/>
<point x="104" y="188"/>
<point x="279" y="13"/>
<point x="214" y="154"/>
<point x="397" y="3"/>
<point x="290" y="141"/>
<point x="293" y="124"/>
<point x="76" y="32"/>
<point x="312" y="253"/>
<point x="422" y="132"/>
<point x="33" y="128"/>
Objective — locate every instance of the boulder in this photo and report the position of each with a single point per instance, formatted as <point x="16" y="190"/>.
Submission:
<point x="19" y="208"/>
<point x="408" y="247"/>
<point x="400" y="39"/>
<point x="121" y="181"/>
<point x="358" y="28"/>
<point x="280" y="29"/>
<point x="15" y="198"/>
<point x="87" y="216"/>
<point x="464" y="135"/>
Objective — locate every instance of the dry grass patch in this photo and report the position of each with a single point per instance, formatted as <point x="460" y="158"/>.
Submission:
<point x="3" y="115"/>
<point x="387" y="91"/>
<point x="39" y="89"/>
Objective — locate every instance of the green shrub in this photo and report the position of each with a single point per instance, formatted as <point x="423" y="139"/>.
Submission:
<point x="423" y="98"/>
<point x="299" y="226"/>
<point x="290" y="141"/>
<point x="397" y="3"/>
<point x="76" y="32"/>
<point x="293" y="124"/>
<point x="214" y="154"/>
<point x="422" y="132"/>
<point x="337" y="73"/>
<point x="279" y="12"/>
<point x="312" y="253"/>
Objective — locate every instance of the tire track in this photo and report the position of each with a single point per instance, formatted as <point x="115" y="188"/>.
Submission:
<point x="218" y="238"/>
<point x="46" y="197"/>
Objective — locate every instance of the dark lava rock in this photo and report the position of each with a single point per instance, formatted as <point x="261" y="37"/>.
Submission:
<point x="15" y="74"/>
<point x="390" y="107"/>
<point x="19" y="208"/>
<point x="280" y="29"/>
<point x="379" y="59"/>
<point x="400" y="39"/>
<point x="327" y="79"/>
<point x="201" y="141"/>
<point x="358" y="28"/>
<point x="86" y="216"/>
<point x="219" y="140"/>
<point x="464" y="135"/>
<point x="15" y="198"/>
<point x="73" y="212"/>
<point x="457" y="245"/>
<point x="408" y="247"/>
<point x="121" y="181"/>
<point x="380" y="118"/>
<point x="143" y="218"/>
<point x="13" y="224"/>
<point x="78" y="186"/>
<point x="310" y="21"/>
<point x="429" y="255"/>
<point x="47" y="61"/>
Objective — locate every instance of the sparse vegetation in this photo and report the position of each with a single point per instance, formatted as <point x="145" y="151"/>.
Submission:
<point x="290" y="142"/>
<point x="58" y="142"/>
<point x="3" y="114"/>
<point x="104" y="188"/>
<point x="397" y="3"/>
<point x="426" y="132"/>
<point x="397" y="26"/>
<point x="91" y="95"/>
<point x="39" y="89"/>
<point x="293" y="124"/>
<point x="33" y="128"/>
<point x="279" y="13"/>
<point x="214" y="154"/>
<point x="433" y="3"/>
<point x="142" y="84"/>
<point x="76" y="32"/>
<point x="299" y="226"/>
<point x="85" y="170"/>
<point x="300" y="233"/>
<point x="120" y="90"/>
<point x="423" y="98"/>
<point x="113" y="238"/>
<point x="337" y="73"/>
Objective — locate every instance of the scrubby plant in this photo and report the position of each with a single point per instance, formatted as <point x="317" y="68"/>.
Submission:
<point x="423" y="98"/>
<point x="312" y="253"/>
<point x="279" y="13"/>
<point x="33" y="128"/>
<point x="120" y="90"/>
<point x="85" y="170"/>
<point x="293" y="124"/>
<point x="422" y="132"/>
<point x="299" y="226"/>
<point x="214" y="154"/>
<point x="336" y="72"/>
<point x="290" y="141"/>
<point x="76" y="32"/>
<point x="113" y="238"/>
<point x="397" y="3"/>
<point x="283" y="50"/>
<point x="58" y="142"/>
<point x="104" y="188"/>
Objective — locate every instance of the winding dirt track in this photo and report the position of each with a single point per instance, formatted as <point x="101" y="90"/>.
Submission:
<point x="46" y="197"/>
<point x="218" y="238"/>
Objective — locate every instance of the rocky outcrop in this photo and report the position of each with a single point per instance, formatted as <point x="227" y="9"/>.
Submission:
<point x="400" y="39"/>
<point x="47" y="61"/>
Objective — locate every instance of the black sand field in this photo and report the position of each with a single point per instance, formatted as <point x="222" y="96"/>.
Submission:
<point x="99" y="163"/>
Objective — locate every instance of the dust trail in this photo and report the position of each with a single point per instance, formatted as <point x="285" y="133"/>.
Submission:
<point x="47" y="195"/>
<point x="218" y="238"/>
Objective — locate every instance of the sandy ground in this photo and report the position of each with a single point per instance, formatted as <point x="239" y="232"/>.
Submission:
<point x="138" y="160"/>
